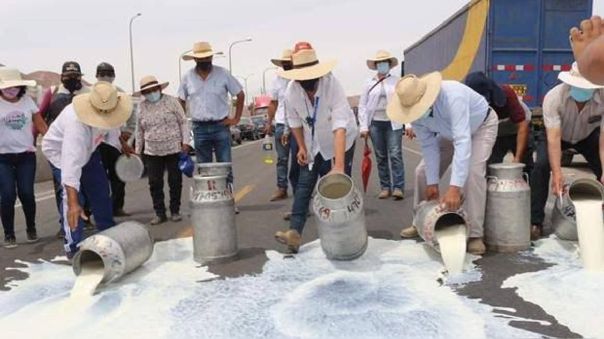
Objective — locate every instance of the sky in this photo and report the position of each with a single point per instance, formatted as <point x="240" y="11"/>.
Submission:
<point x="42" y="34"/>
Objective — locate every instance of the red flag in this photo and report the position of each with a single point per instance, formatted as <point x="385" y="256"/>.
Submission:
<point x="366" y="166"/>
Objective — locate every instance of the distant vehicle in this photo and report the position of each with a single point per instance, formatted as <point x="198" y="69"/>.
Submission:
<point x="248" y="129"/>
<point x="259" y="123"/>
<point x="236" y="135"/>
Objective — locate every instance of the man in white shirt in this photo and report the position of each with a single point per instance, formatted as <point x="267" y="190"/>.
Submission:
<point x="207" y="90"/>
<point x="324" y="126"/>
<point x="284" y="145"/>
<point x="70" y="145"/>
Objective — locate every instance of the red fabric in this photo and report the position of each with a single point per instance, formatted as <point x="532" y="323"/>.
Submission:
<point x="45" y="102"/>
<point x="366" y="166"/>
<point x="512" y="107"/>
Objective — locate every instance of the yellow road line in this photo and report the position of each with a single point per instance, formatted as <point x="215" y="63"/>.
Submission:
<point x="247" y="189"/>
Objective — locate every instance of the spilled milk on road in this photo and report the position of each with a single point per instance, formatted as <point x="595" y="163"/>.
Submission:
<point x="452" y="243"/>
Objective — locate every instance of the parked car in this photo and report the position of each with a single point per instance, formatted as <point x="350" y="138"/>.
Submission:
<point x="259" y="123"/>
<point x="236" y="135"/>
<point x="248" y="129"/>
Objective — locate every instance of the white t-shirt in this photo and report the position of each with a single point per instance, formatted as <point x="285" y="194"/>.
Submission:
<point x="16" y="133"/>
<point x="278" y="94"/>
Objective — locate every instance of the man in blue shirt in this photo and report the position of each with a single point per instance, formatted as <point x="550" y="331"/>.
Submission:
<point x="455" y="126"/>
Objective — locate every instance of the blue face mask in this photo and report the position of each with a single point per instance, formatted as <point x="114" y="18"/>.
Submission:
<point x="153" y="97"/>
<point x="383" y="67"/>
<point x="581" y="94"/>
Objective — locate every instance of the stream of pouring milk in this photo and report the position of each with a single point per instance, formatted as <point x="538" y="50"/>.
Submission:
<point x="452" y="243"/>
<point x="590" y="228"/>
<point x="86" y="283"/>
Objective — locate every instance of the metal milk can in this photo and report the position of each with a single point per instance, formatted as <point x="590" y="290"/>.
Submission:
<point x="564" y="222"/>
<point x="507" y="226"/>
<point x="430" y="216"/>
<point x="121" y="248"/>
<point x="213" y="169"/>
<point x="338" y="205"/>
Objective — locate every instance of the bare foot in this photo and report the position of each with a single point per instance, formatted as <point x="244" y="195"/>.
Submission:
<point x="581" y="37"/>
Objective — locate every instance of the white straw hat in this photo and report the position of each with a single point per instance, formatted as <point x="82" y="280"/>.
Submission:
<point x="200" y="50"/>
<point x="575" y="79"/>
<point x="413" y="97"/>
<point x="286" y="56"/>
<point x="10" y="77"/>
<point x="103" y="107"/>
<point x="306" y="65"/>
<point x="382" y="56"/>
<point x="150" y="82"/>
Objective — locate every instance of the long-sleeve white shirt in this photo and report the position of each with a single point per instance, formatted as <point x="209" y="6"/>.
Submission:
<point x="69" y="144"/>
<point x="369" y="100"/>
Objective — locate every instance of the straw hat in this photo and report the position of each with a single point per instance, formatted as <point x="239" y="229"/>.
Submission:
<point x="200" y="50"/>
<point x="382" y="56"/>
<point x="306" y="64"/>
<point x="414" y="96"/>
<point x="286" y="56"/>
<point x="575" y="79"/>
<point x="103" y="107"/>
<point x="10" y="77"/>
<point x="150" y="82"/>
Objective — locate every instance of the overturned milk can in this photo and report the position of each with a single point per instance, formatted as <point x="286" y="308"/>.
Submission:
<point x="338" y="206"/>
<point x="430" y="217"/>
<point x="213" y="214"/>
<point x="121" y="249"/>
<point x="564" y="222"/>
<point x="507" y="226"/>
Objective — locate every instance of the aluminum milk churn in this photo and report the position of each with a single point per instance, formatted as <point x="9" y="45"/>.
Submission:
<point x="564" y="222"/>
<point x="430" y="216"/>
<point x="121" y="248"/>
<point x="213" y="214"/>
<point x="338" y="205"/>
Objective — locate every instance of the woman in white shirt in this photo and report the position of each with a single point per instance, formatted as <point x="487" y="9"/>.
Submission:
<point x="18" y="115"/>
<point x="386" y="136"/>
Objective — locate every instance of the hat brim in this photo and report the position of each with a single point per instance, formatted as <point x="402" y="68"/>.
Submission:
<point x="310" y="72"/>
<point x="17" y="83"/>
<point x="162" y="86"/>
<point x="372" y="63"/>
<point x="279" y="62"/>
<point x="407" y="115"/>
<point x="575" y="81"/>
<point x="192" y="55"/>
<point x="88" y="115"/>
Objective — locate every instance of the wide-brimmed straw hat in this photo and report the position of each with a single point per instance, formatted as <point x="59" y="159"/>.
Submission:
<point x="103" y="107"/>
<point x="150" y="82"/>
<point x="575" y="79"/>
<point x="200" y="50"/>
<point x="382" y="56"/>
<point x="286" y="56"/>
<point x="413" y="97"/>
<point x="10" y="77"/>
<point x="306" y="65"/>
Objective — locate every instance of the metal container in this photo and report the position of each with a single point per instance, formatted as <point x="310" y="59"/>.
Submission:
<point x="213" y="169"/>
<point x="213" y="213"/>
<point x="507" y="226"/>
<point x="338" y="206"/>
<point x="129" y="168"/>
<point x="564" y="222"/>
<point x="430" y="216"/>
<point x="121" y="248"/>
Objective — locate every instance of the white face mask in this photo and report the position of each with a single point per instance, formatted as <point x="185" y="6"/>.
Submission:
<point x="153" y="97"/>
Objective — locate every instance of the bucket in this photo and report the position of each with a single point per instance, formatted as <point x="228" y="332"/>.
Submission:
<point x="129" y="168"/>
<point x="338" y="206"/>
<point x="430" y="217"/>
<point x="121" y="249"/>
<point x="564" y="222"/>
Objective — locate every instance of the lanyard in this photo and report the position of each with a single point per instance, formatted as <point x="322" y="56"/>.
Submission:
<point x="311" y="121"/>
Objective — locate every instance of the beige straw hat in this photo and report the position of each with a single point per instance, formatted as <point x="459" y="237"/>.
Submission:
<point x="414" y="96"/>
<point x="200" y="50"/>
<point x="575" y="79"/>
<point x="306" y="64"/>
<point x="286" y="56"/>
<point x="103" y="107"/>
<point x="150" y="82"/>
<point x="382" y="56"/>
<point x="10" y="77"/>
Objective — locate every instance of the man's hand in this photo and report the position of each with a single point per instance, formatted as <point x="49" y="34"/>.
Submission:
<point x="125" y="136"/>
<point x="74" y="213"/>
<point x="186" y="148"/>
<point x="302" y="157"/>
<point x="516" y="160"/>
<point x="452" y="199"/>
<point x="432" y="192"/>
<point x="409" y="133"/>
<point x="557" y="184"/>
<point x="231" y="122"/>
<point x="127" y="149"/>
<point x="284" y="139"/>
<point x="365" y="135"/>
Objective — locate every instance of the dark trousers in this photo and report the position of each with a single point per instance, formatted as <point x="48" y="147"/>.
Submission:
<point x="505" y="144"/>
<point x="17" y="174"/>
<point x="306" y="184"/>
<point x="286" y="157"/>
<point x="110" y="154"/>
<point x="588" y="147"/>
<point x="156" y="167"/>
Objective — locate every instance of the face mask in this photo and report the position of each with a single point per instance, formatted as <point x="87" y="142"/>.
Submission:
<point x="153" y="97"/>
<point x="383" y="68"/>
<point x="11" y="92"/>
<point x="287" y="67"/>
<point x="72" y="85"/>
<point x="108" y="79"/>
<point x="581" y="94"/>
<point x="204" y="66"/>
<point x="309" y="85"/>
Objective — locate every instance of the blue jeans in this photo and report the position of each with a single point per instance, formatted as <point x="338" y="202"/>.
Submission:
<point x="95" y="186"/>
<point x="388" y="144"/>
<point x="213" y="139"/>
<point x="283" y="160"/>
<point x="306" y="184"/>
<point x="17" y="174"/>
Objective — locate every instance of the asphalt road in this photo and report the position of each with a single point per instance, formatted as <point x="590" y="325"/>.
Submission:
<point x="260" y="219"/>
